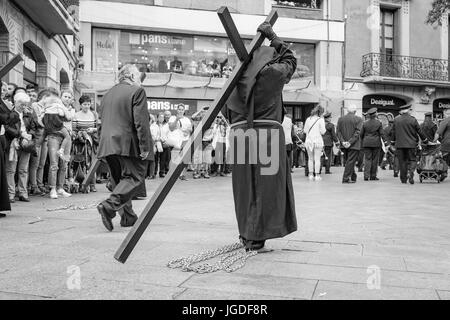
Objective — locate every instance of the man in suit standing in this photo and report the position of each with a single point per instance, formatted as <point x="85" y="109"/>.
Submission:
<point x="329" y="138"/>
<point x="371" y="134"/>
<point x="125" y="143"/>
<point x="348" y="132"/>
<point x="405" y="137"/>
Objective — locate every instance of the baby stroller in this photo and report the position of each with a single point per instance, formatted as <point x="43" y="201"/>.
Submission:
<point x="81" y="160"/>
<point x="431" y="165"/>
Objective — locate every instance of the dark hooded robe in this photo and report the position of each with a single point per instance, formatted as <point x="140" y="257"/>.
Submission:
<point x="263" y="192"/>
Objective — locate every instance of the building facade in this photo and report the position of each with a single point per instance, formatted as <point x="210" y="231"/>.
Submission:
<point x="44" y="33"/>
<point x="184" y="51"/>
<point x="392" y="57"/>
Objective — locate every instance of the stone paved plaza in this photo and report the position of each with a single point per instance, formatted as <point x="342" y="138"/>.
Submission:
<point x="370" y="240"/>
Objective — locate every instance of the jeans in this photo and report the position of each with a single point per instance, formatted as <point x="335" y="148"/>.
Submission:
<point x="34" y="163"/>
<point x="58" y="167"/>
<point x="43" y="152"/>
<point x="22" y="166"/>
<point x="314" y="163"/>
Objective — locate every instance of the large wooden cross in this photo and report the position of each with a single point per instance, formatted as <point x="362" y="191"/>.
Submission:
<point x="160" y="194"/>
<point x="7" y="68"/>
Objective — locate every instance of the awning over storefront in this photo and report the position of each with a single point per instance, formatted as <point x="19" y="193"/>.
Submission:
<point x="51" y="15"/>
<point x="104" y="80"/>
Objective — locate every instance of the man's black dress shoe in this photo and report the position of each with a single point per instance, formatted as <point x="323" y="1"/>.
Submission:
<point x="348" y="181"/>
<point x="366" y="179"/>
<point x="2" y="215"/>
<point x="128" y="223"/>
<point x="374" y="179"/>
<point x="107" y="221"/>
<point x="24" y="199"/>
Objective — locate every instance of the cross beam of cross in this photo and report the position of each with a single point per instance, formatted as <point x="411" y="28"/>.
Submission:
<point x="7" y="68"/>
<point x="160" y="194"/>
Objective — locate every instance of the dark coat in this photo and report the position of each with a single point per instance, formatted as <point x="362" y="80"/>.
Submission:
<point x="348" y="129"/>
<point x="330" y="136"/>
<point x="429" y="129"/>
<point x="406" y="132"/>
<point x="12" y="131"/>
<point x="371" y="133"/>
<point x="264" y="203"/>
<point x="444" y="134"/>
<point x="125" y="123"/>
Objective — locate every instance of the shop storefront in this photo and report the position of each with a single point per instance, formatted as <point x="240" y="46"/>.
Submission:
<point x="388" y="106"/>
<point x="158" y="105"/>
<point x="204" y="56"/>
<point x="439" y="105"/>
<point x="300" y="111"/>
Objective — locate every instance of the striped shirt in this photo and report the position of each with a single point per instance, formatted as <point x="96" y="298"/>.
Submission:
<point x="83" y="121"/>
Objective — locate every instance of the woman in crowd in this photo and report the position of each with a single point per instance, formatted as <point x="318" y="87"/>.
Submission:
<point x="314" y="129"/>
<point x="220" y="145"/>
<point x="152" y="168"/>
<point x="7" y="118"/>
<point x="20" y="145"/>
<point x="162" y="150"/>
<point x="84" y="126"/>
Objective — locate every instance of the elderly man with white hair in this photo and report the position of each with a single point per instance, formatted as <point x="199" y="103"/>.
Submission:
<point x="19" y="138"/>
<point x="125" y="143"/>
<point x="348" y="132"/>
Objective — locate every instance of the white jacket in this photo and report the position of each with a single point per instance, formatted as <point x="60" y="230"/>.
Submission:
<point x="314" y="129"/>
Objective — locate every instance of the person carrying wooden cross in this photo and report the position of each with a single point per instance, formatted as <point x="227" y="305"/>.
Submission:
<point x="263" y="191"/>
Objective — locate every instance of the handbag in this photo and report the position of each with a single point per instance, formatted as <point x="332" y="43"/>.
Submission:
<point x="26" y="145"/>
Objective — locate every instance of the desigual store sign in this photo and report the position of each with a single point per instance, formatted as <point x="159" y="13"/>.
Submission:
<point x="439" y="105"/>
<point x="382" y="102"/>
<point x="155" y="106"/>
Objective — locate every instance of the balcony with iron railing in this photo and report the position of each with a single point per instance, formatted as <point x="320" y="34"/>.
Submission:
<point x="405" y="67"/>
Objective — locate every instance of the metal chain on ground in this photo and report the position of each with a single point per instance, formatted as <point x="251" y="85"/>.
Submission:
<point x="75" y="207"/>
<point x="234" y="253"/>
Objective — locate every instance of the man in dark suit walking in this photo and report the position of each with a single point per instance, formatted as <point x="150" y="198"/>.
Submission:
<point x="348" y="132"/>
<point x="125" y="143"/>
<point x="371" y="135"/>
<point x="405" y="137"/>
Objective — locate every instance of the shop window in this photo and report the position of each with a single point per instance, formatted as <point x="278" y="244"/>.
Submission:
<point x="310" y="4"/>
<point x="305" y="54"/>
<point x="190" y="55"/>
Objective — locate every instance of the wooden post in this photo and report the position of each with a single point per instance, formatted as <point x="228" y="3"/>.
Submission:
<point x="160" y="194"/>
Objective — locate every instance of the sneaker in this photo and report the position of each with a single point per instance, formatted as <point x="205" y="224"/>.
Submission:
<point x="63" y="193"/>
<point x="311" y="177"/>
<point x="318" y="178"/>
<point x="53" y="194"/>
<point x="206" y="175"/>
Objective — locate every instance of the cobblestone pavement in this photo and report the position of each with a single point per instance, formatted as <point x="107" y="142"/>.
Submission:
<point x="370" y="240"/>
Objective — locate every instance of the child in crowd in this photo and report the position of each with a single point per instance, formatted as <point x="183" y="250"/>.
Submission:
<point x="55" y="114"/>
